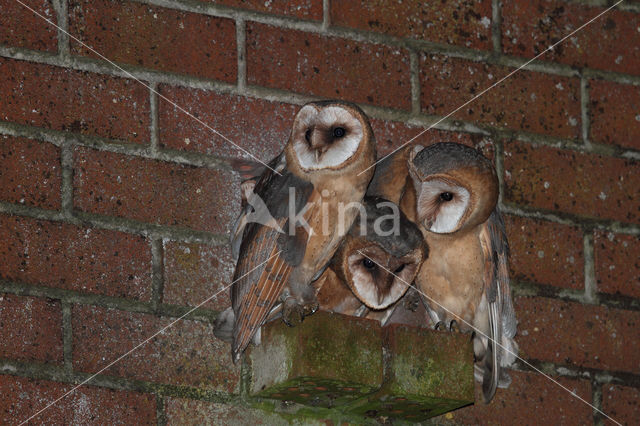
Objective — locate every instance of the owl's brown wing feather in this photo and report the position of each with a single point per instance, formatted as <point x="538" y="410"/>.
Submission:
<point x="501" y="314"/>
<point x="266" y="253"/>
<point x="262" y="275"/>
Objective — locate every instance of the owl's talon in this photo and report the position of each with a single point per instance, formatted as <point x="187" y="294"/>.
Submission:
<point x="310" y="308"/>
<point x="441" y="326"/>
<point x="292" y="312"/>
<point x="454" y="327"/>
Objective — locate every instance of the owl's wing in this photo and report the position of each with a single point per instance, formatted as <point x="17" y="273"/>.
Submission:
<point x="390" y="176"/>
<point x="502" y="323"/>
<point x="267" y="252"/>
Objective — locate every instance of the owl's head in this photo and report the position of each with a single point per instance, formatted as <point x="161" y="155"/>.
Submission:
<point x="456" y="187"/>
<point x="378" y="266"/>
<point x="329" y="135"/>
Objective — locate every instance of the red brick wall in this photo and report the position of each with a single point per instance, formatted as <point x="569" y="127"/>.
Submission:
<point x="115" y="205"/>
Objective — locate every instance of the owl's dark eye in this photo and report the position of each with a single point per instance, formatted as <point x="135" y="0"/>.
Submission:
<point x="339" y="132"/>
<point x="399" y="269"/>
<point x="368" y="263"/>
<point x="446" y="196"/>
<point x="307" y="135"/>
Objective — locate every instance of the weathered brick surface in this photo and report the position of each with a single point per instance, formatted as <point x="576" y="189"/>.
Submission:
<point x="611" y="42"/>
<point x="568" y="181"/>
<point x="327" y="66"/>
<point x="391" y="135"/>
<point x="30" y="172"/>
<point x="75" y="258"/>
<point x="614" y="111"/>
<point x="193" y="273"/>
<point x="303" y="9"/>
<point x="531" y="399"/>
<point x="155" y="37"/>
<point x="622" y="403"/>
<point x="30" y="329"/>
<point x="258" y="127"/>
<point x="530" y="101"/>
<point x="578" y="335"/>
<point x="188" y="412"/>
<point x="617" y="263"/>
<point x="21" y="27"/>
<point x="187" y="353"/>
<point x="154" y="191"/>
<point x="74" y="101"/>
<point x="23" y="397"/>
<point x="462" y="22"/>
<point x="545" y="252"/>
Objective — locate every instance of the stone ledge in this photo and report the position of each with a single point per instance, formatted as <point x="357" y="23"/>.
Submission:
<point x="358" y="367"/>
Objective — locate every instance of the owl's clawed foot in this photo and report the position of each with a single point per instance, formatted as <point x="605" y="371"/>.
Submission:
<point x="310" y="308"/>
<point x="453" y="326"/>
<point x="293" y="312"/>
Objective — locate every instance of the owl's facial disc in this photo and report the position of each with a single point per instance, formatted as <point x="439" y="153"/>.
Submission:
<point x="325" y="137"/>
<point x="441" y="205"/>
<point x="370" y="280"/>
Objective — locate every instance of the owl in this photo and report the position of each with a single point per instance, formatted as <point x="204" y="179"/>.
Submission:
<point x="452" y="193"/>
<point x="295" y="218"/>
<point x="375" y="264"/>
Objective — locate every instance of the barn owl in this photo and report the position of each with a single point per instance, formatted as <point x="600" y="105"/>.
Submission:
<point x="324" y="166"/>
<point x="375" y="264"/>
<point x="452" y="193"/>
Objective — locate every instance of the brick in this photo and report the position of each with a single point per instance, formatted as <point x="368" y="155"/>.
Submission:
<point x="391" y="135"/>
<point x="259" y="127"/>
<point x="622" y="403"/>
<point x="589" y="185"/>
<point x="23" y="397"/>
<point x="30" y="172"/>
<point x="303" y="9"/>
<point x="611" y="42"/>
<point x="195" y="272"/>
<point x="154" y="191"/>
<point x="527" y="100"/>
<point x="189" y="412"/>
<point x="327" y="66"/>
<point x="617" y="263"/>
<point x="155" y="37"/>
<point x="21" y="27"/>
<point x="74" y="101"/>
<point x="531" y="397"/>
<point x="545" y="252"/>
<point x="30" y="329"/>
<point x="462" y="22"/>
<point x="614" y="111"/>
<point x="66" y="256"/>
<point x="578" y="335"/>
<point x="186" y="353"/>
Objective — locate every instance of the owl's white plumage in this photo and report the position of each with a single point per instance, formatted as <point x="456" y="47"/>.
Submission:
<point x="363" y="283"/>
<point x="443" y="217"/>
<point x="311" y="120"/>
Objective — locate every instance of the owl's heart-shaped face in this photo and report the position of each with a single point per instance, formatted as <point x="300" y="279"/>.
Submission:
<point x="442" y="204"/>
<point x="379" y="278"/>
<point x="456" y="187"/>
<point x="326" y="136"/>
